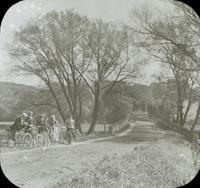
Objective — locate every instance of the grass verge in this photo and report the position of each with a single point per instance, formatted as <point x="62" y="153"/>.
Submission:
<point x="145" y="166"/>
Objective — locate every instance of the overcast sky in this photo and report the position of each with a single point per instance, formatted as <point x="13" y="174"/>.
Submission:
<point x="108" y="10"/>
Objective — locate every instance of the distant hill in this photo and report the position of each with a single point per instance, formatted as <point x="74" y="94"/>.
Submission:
<point x="11" y="95"/>
<point x="15" y="98"/>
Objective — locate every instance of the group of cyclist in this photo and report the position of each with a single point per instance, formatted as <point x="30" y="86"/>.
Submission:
<point x="27" y="122"/>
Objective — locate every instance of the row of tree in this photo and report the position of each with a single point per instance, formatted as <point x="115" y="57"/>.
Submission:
<point x="174" y="40"/>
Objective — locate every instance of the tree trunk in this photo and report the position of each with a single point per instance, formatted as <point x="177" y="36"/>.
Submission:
<point x="80" y="111"/>
<point x="177" y="116"/>
<point x="76" y="116"/>
<point x="103" y="112"/>
<point x="189" y="104"/>
<point x="94" y="119"/>
<point x="196" y="118"/>
<point x="187" y="110"/>
<point x="103" y="116"/>
<point x="95" y="109"/>
<point x="77" y="124"/>
<point x="57" y="103"/>
<point x="181" y="115"/>
<point x="180" y="106"/>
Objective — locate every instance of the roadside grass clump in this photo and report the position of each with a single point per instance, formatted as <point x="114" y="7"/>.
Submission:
<point x="145" y="166"/>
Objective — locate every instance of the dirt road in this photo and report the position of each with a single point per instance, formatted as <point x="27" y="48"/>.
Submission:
<point x="43" y="168"/>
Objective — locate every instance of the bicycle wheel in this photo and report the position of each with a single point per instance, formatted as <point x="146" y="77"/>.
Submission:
<point x="27" y="141"/>
<point x="77" y="134"/>
<point x="41" y="141"/>
<point x="62" y="138"/>
<point x="51" y="137"/>
<point x="47" y="139"/>
<point x="56" y="135"/>
<point x="19" y="141"/>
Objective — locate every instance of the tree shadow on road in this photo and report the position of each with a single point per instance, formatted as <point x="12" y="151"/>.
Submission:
<point x="137" y="135"/>
<point x="129" y="139"/>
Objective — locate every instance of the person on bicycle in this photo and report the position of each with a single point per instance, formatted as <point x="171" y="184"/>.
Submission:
<point x="41" y="124"/>
<point x="53" y="124"/>
<point x="30" y="121"/>
<point x="18" y="125"/>
<point x="52" y="121"/>
<point x="71" y="125"/>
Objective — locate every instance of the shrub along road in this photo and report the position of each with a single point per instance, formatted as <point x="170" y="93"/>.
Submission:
<point x="57" y="166"/>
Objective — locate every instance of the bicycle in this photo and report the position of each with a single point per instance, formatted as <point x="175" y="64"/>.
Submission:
<point x="71" y="135"/>
<point x="62" y="136"/>
<point x="32" y="137"/>
<point x="15" y="138"/>
<point x="44" y="132"/>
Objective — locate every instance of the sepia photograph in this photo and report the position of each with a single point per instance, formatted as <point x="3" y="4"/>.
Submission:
<point x="100" y="94"/>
